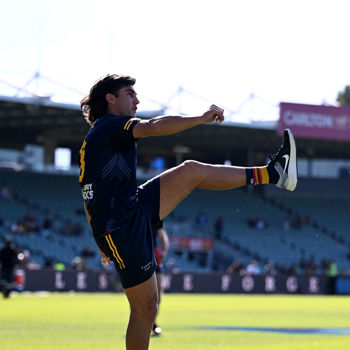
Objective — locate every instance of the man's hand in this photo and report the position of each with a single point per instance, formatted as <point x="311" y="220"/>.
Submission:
<point x="214" y="113"/>
<point x="104" y="259"/>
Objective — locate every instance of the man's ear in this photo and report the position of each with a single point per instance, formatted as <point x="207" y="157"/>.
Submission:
<point x="110" y="98"/>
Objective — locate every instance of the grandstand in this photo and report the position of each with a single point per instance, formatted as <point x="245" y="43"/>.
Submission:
<point x="40" y="194"/>
<point x="324" y="237"/>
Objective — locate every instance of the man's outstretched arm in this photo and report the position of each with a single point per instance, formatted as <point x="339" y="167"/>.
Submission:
<point x="167" y="125"/>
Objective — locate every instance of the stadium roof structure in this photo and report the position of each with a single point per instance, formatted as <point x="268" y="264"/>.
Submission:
<point x="35" y="119"/>
<point x="38" y="120"/>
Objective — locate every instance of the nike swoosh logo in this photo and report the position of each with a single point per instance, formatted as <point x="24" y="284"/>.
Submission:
<point x="286" y="156"/>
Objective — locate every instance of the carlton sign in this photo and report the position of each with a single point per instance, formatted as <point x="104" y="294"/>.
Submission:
<point x="318" y="122"/>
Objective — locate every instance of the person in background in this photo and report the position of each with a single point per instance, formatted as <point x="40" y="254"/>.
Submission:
<point x="161" y="246"/>
<point x="25" y="261"/>
<point x="86" y="253"/>
<point x="253" y="268"/>
<point x="218" y="227"/>
<point x="236" y="267"/>
<point x="8" y="260"/>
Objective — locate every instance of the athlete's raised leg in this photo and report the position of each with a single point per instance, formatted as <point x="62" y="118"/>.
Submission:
<point x="178" y="182"/>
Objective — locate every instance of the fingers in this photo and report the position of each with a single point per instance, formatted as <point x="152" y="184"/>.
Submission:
<point x="104" y="262"/>
<point x="217" y="109"/>
<point x="104" y="259"/>
<point x="219" y="113"/>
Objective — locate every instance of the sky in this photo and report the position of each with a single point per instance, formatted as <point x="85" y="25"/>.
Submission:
<point x="246" y="56"/>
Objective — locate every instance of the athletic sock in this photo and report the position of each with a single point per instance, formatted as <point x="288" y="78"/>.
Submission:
<point x="262" y="175"/>
<point x="273" y="173"/>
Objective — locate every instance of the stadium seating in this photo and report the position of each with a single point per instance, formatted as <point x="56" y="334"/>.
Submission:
<point x="284" y="247"/>
<point x="325" y="237"/>
<point x="40" y="194"/>
<point x="60" y="195"/>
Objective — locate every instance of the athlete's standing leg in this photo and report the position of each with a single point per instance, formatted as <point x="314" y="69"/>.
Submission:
<point x="143" y="300"/>
<point x="161" y="247"/>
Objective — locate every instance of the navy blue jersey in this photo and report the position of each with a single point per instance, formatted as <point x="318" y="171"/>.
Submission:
<point x="108" y="172"/>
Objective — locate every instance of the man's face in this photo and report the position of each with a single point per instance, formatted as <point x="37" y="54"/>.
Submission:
<point x="126" y="102"/>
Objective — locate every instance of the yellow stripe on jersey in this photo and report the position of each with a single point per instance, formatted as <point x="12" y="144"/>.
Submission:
<point x="82" y="161"/>
<point x="127" y="125"/>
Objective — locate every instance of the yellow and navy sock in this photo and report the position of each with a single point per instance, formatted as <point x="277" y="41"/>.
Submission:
<point x="261" y="175"/>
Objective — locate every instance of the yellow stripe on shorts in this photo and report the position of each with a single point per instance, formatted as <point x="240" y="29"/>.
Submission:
<point x="115" y="251"/>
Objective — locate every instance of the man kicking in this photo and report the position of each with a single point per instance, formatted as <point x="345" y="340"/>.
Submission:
<point x="122" y="215"/>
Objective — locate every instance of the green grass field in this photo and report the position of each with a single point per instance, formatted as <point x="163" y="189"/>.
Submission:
<point x="98" y="321"/>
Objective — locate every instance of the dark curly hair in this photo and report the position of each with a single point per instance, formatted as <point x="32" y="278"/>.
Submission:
<point x="95" y="105"/>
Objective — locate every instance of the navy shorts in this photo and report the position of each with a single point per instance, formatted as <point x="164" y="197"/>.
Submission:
<point x="130" y="247"/>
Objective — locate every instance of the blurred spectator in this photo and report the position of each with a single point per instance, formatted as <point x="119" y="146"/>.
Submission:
<point x="48" y="263"/>
<point x="26" y="262"/>
<point x="48" y="225"/>
<point x="305" y="219"/>
<point x="72" y="229"/>
<point x="324" y="266"/>
<point x="261" y="222"/>
<point x="67" y="229"/>
<point x="258" y="222"/>
<point x="48" y="222"/>
<point x="332" y="270"/>
<point x="269" y="268"/>
<point x="218" y="227"/>
<point x="332" y="273"/>
<point x="79" y="264"/>
<point x="294" y="269"/>
<point x="235" y="268"/>
<point x="201" y="221"/>
<point x="170" y="266"/>
<point x="286" y="224"/>
<point x="311" y="266"/>
<point x="344" y="272"/>
<point x="87" y="253"/>
<point x="8" y="260"/>
<point x="251" y="222"/>
<point x="31" y="224"/>
<point x="253" y="268"/>
<point x="59" y="266"/>
<point x="296" y="222"/>
<point x="303" y="262"/>
<point x="18" y="227"/>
